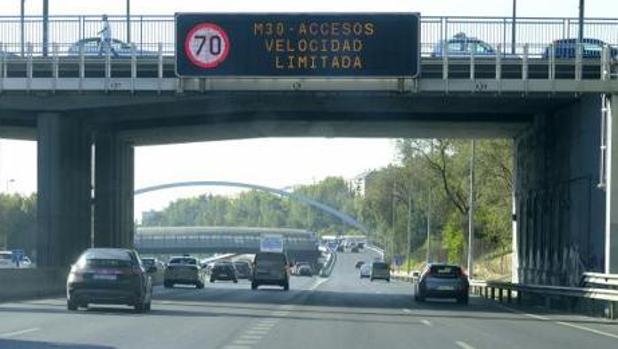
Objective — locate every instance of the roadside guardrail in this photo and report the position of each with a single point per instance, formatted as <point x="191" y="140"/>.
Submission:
<point x="605" y="290"/>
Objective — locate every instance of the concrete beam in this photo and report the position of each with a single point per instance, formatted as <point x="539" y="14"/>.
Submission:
<point x="114" y="185"/>
<point x="63" y="205"/>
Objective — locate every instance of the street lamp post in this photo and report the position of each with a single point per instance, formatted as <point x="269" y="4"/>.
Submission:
<point x="22" y="25"/>
<point x="8" y="182"/>
<point x="128" y="21"/>
<point x="45" y="26"/>
<point x="513" y="29"/>
<point x="471" y="214"/>
<point x="580" y="35"/>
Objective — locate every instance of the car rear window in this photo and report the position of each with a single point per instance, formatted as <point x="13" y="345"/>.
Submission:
<point x="183" y="261"/>
<point x="270" y="258"/>
<point x="6" y="256"/>
<point x="380" y="266"/>
<point x="109" y="263"/>
<point x="445" y="271"/>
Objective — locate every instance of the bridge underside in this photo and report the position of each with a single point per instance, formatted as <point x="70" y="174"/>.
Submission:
<point x="560" y="212"/>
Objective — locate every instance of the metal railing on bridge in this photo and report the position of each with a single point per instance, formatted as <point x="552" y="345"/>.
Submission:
<point x="146" y="32"/>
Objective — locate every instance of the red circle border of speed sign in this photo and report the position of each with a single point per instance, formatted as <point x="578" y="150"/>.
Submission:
<point x="194" y="59"/>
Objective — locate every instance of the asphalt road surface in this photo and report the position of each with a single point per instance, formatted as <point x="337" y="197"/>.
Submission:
<point x="339" y="312"/>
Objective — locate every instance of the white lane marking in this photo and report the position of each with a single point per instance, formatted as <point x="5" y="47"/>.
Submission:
<point x="244" y="342"/>
<point x="257" y="332"/>
<point x="317" y="284"/>
<point x="17" y="333"/>
<point x="464" y="345"/>
<point x="250" y="337"/>
<point x="406" y="310"/>
<point x="588" y="329"/>
<point x="236" y="347"/>
<point x="562" y="323"/>
<point x="426" y="323"/>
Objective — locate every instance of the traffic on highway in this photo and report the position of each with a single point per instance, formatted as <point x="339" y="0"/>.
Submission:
<point x="340" y="311"/>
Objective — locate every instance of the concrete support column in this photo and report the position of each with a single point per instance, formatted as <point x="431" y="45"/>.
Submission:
<point x="63" y="205"/>
<point x="611" y="194"/>
<point x="113" y="209"/>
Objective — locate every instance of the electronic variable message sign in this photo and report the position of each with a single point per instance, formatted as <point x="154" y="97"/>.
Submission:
<point x="306" y="45"/>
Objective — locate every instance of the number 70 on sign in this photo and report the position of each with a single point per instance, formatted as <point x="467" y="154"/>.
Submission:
<point x="207" y="45"/>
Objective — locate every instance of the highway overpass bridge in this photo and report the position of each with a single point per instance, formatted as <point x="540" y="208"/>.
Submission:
<point x="299" y="244"/>
<point x="558" y="112"/>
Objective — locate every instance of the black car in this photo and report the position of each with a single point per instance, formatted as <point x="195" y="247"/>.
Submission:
<point x="223" y="271"/>
<point x="243" y="269"/>
<point x="359" y="264"/>
<point x="442" y="281"/>
<point x="567" y="49"/>
<point x="109" y="276"/>
<point x="271" y="268"/>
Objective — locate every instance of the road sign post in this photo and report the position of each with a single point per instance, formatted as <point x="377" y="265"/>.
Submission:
<point x="299" y="45"/>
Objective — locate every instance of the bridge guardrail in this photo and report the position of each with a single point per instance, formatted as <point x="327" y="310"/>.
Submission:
<point x="147" y="30"/>
<point x="500" y="290"/>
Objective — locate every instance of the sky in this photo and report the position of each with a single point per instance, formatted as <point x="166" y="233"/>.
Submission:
<point x="271" y="162"/>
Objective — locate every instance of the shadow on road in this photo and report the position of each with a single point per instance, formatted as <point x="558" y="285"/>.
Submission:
<point x="22" y="344"/>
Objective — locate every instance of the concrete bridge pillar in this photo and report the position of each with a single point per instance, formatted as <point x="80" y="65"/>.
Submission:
<point x="114" y="185"/>
<point x="64" y="173"/>
<point x="611" y="194"/>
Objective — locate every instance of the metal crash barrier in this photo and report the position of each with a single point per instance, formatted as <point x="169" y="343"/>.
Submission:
<point x="594" y="286"/>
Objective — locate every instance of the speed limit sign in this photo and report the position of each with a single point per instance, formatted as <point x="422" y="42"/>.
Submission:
<point x="207" y="45"/>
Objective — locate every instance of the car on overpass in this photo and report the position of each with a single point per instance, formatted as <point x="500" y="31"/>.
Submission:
<point x="223" y="270"/>
<point x="461" y="45"/>
<point x="271" y="268"/>
<point x="439" y="280"/>
<point x="567" y="49"/>
<point x="108" y="276"/>
<point x="92" y="47"/>
<point x="184" y="270"/>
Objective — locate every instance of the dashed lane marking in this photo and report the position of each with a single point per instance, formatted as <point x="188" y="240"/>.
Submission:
<point x="231" y="346"/>
<point x="562" y="323"/>
<point x="317" y="284"/>
<point x="464" y="345"/>
<point x="406" y="310"/>
<point x="426" y="323"/>
<point x="17" y="333"/>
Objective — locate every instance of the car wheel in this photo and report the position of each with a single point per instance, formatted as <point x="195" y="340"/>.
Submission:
<point x="286" y="286"/>
<point x="147" y="306"/>
<point x="199" y="285"/>
<point x="371" y="279"/>
<point x="167" y="284"/>
<point x="71" y="305"/>
<point x="463" y="299"/>
<point x="388" y="280"/>
<point x="139" y="307"/>
<point x="212" y="280"/>
<point x="235" y="281"/>
<point x="254" y="286"/>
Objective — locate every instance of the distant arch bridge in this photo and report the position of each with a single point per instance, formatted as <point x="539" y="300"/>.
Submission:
<point x="345" y="218"/>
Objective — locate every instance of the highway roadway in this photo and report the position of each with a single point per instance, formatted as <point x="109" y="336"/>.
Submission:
<point x="339" y="312"/>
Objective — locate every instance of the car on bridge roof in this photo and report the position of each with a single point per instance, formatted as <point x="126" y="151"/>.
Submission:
<point x="461" y="45"/>
<point x="92" y="47"/>
<point x="439" y="280"/>
<point x="184" y="270"/>
<point x="567" y="49"/>
<point x="109" y="276"/>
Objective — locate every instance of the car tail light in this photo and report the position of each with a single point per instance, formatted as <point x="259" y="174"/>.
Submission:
<point x="462" y="273"/>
